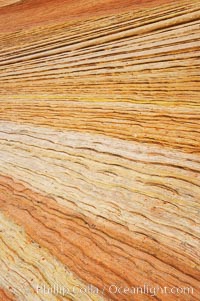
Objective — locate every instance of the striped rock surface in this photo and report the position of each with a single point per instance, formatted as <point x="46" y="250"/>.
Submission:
<point x="99" y="150"/>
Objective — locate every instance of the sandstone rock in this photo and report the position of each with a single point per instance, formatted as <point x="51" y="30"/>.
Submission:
<point x="99" y="150"/>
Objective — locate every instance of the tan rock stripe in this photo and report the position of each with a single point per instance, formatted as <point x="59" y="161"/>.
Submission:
<point x="164" y="126"/>
<point x="98" y="54"/>
<point x="100" y="257"/>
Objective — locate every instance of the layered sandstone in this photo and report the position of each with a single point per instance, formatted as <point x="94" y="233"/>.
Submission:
<point x="99" y="148"/>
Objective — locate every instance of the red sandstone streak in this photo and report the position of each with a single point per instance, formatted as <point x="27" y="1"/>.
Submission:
<point x="31" y="13"/>
<point x="100" y="259"/>
<point x="6" y="296"/>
